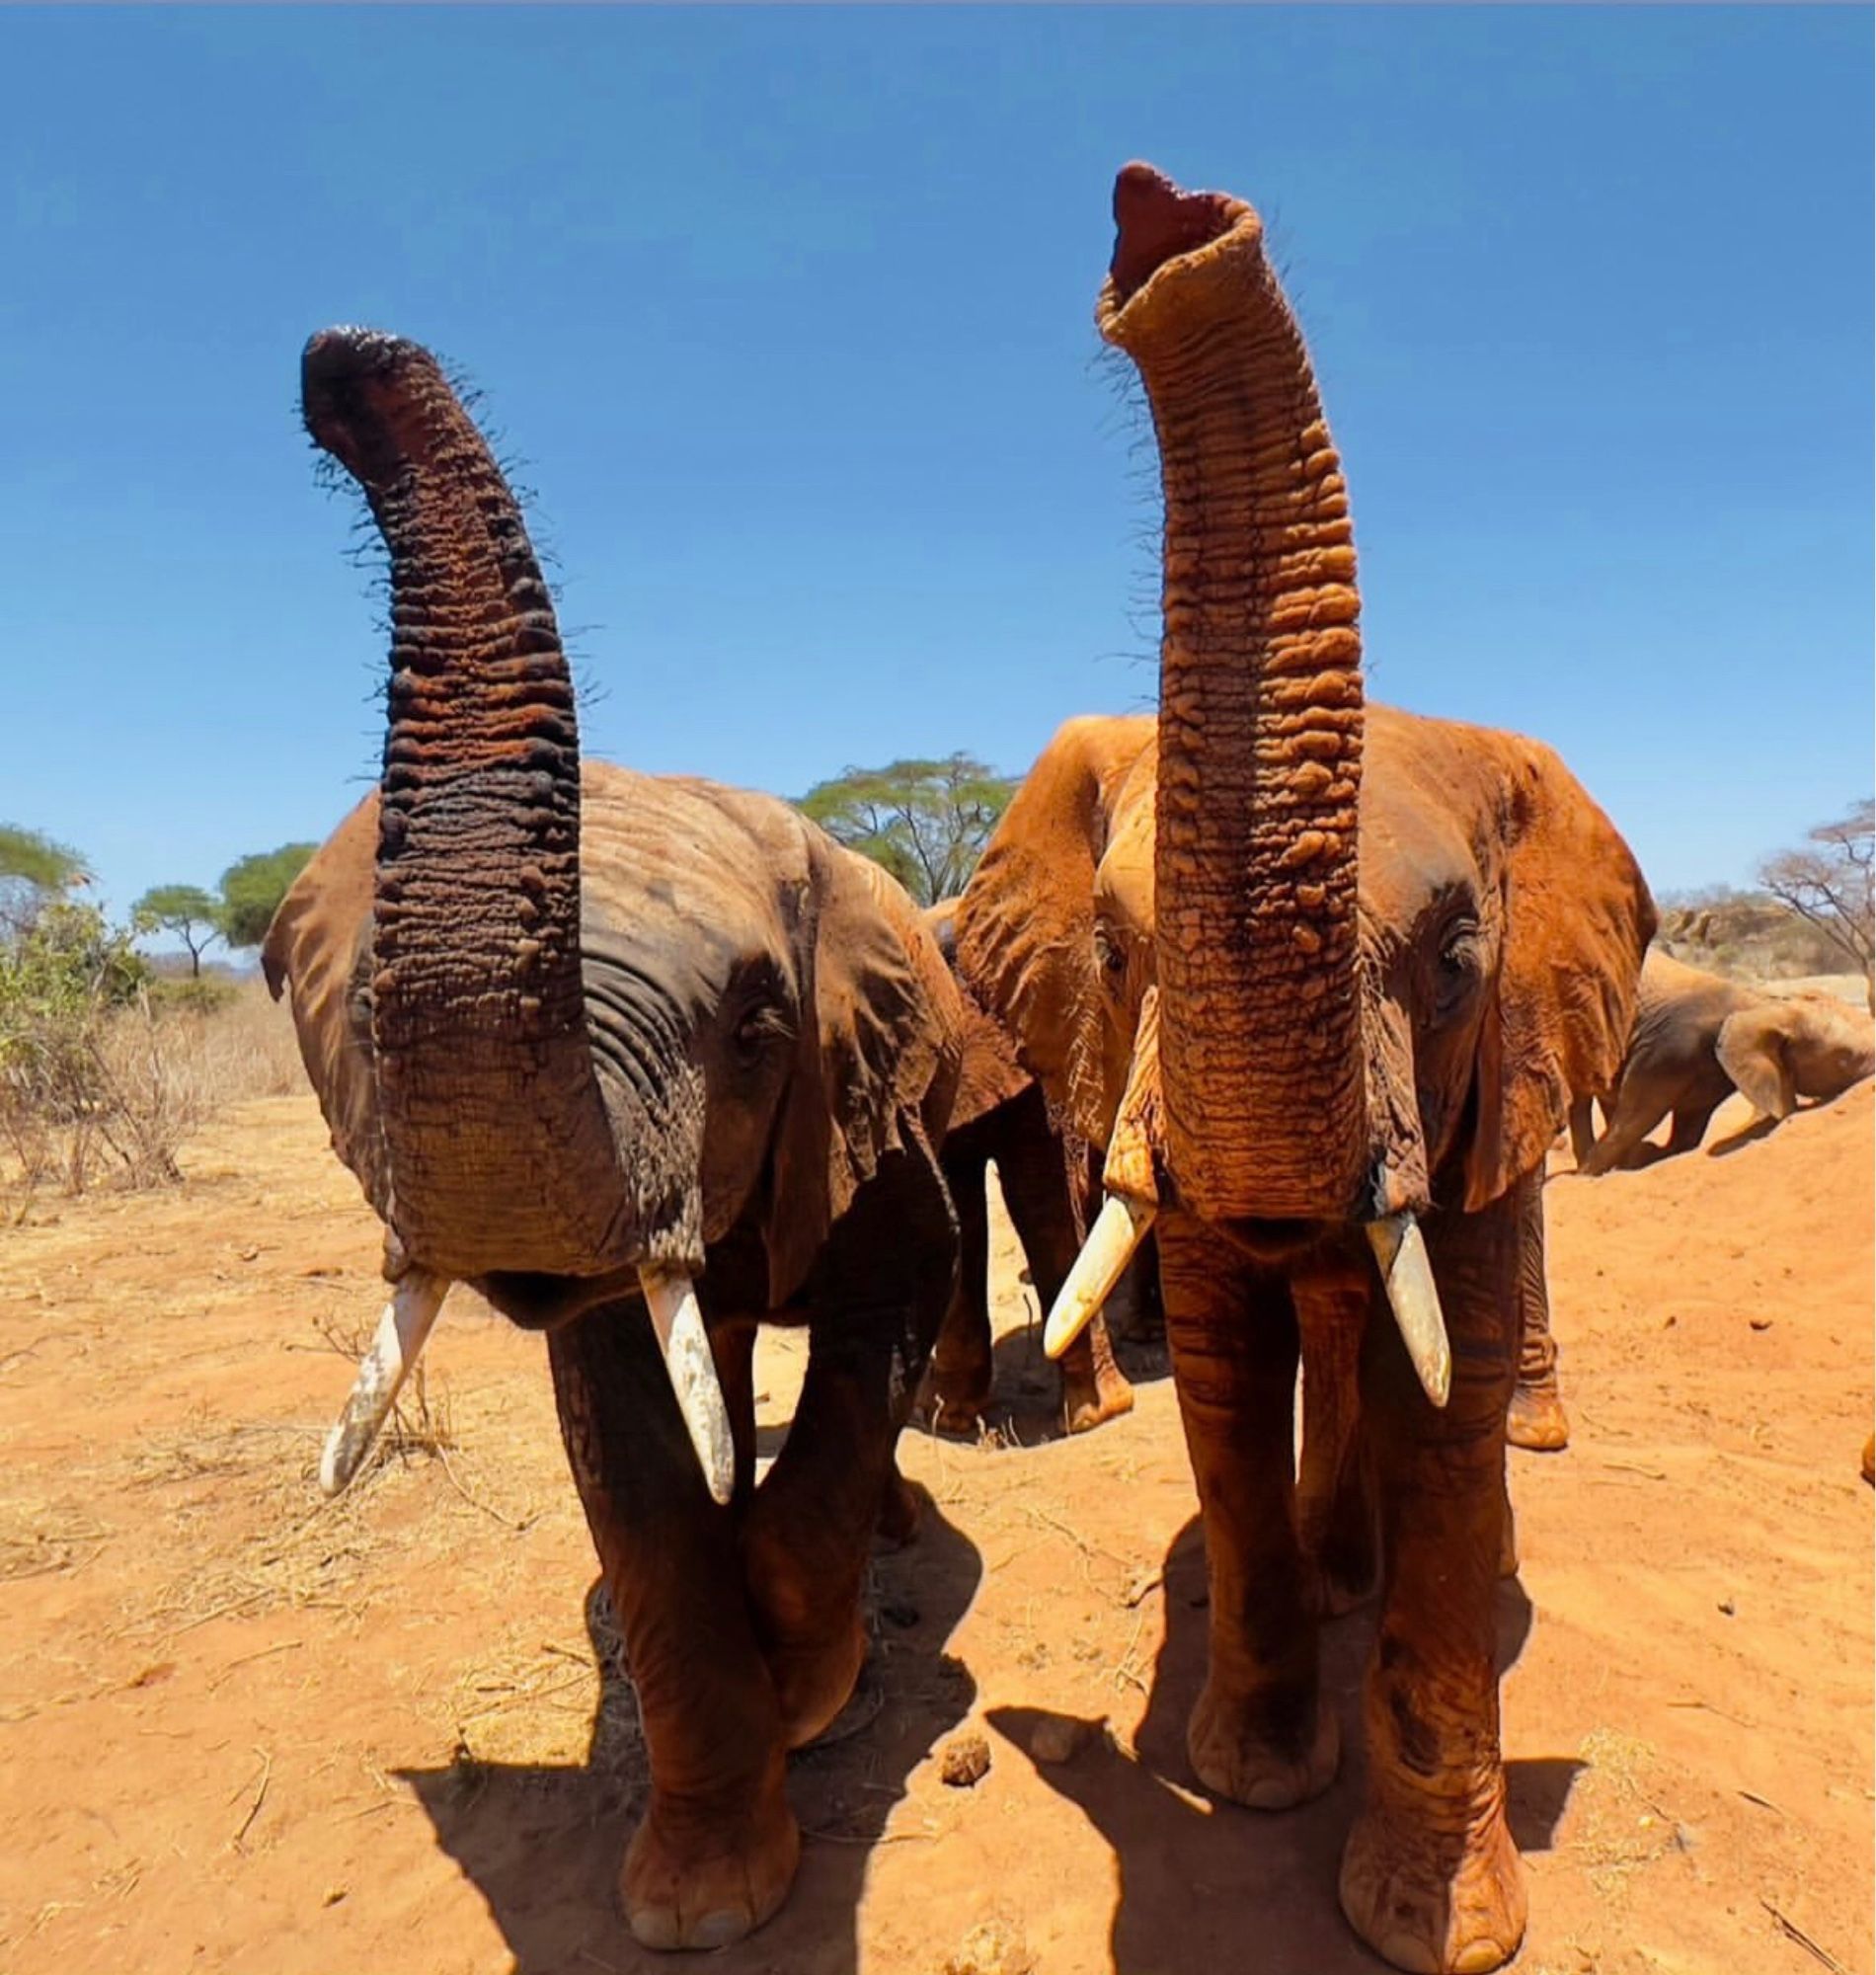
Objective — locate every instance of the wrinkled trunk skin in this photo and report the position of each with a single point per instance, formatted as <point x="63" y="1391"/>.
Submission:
<point x="1260" y="719"/>
<point x="499" y="1145"/>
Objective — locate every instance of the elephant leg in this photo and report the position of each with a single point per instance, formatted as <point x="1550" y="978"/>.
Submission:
<point x="1689" y="1126"/>
<point x="960" y="1360"/>
<point x="1035" y="1178"/>
<point x="1259" y="1733"/>
<point x="1335" y="1485"/>
<point x="877" y="1296"/>
<point x="1536" y="1419"/>
<point x="716" y="1850"/>
<point x="1431" y="1878"/>
<point x="1582" y="1127"/>
<point x="1637" y="1113"/>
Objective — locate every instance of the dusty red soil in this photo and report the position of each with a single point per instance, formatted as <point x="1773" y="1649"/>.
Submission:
<point x="246" y="1730"/>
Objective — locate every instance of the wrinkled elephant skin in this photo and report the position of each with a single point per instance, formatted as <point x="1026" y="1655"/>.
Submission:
<point x="593" y="1040"/>
<point x="1378" y="951"/>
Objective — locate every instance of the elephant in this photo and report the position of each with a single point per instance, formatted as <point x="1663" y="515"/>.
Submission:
<point x="1698" y="1038"/>
<point x="1365" y="957"/>
<point x="1000" y="1113"/>
<point x="645" y="1060"/>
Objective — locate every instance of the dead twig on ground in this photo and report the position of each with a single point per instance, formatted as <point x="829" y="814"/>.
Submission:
<point x="475" y="1501"/>
<point x="247" y="1659"/>
<point x="259" y="1797"/>
<point x="1793" y="1932"/>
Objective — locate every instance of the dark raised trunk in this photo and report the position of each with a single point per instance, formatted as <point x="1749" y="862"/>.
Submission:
<point x="499" y="1146"/>
<point x="1260" y="719"/>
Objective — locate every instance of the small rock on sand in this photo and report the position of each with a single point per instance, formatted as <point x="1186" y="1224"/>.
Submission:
<point x="991" y="1947"/>
<point x="966" y="1761"/>
<point x="1055" y="1737"/>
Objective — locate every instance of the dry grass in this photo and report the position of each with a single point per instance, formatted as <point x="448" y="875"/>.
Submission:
<point x="145" y="1079"/>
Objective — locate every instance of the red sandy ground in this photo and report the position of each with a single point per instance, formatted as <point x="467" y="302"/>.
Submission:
<point x="243" y="1730"/>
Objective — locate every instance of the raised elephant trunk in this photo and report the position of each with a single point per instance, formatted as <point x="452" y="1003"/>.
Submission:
<point x="1260" y="719"/>
<point x="499" y="1152"/>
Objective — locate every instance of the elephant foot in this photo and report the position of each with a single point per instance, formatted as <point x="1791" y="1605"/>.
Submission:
<point x="957" y="1396"/>
<point x="689" y="1882"/>
<point x="961" y="1417"/>
<point x="1537" y="1420"/>
<point x="1091" y="1401"/>
<point x="1233" y="1758"/>
<point x="1433" y="1904"/>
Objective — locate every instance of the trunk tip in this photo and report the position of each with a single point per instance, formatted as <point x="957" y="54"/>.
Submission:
<point x="1156" y="221"/>
<point x="348" y="377"/>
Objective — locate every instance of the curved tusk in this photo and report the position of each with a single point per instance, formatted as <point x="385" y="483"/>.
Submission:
<point x="1119" y="1228"/>
<point x="1407" y="1277"/>
<point x="681" y="1337"/>
<point x="402" y="1329"/>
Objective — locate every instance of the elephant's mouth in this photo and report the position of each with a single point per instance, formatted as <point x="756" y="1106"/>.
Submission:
<point x="1273" y="1241"/>
<point x="544" y="1302"/>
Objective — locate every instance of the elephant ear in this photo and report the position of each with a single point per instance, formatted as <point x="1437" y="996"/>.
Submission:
<point x="318" y="947"/>
<point x="1025" y="925"/>
<point x="1576" y="920"/>
<point x="877" y="1058"/>
<point x="1755" y="1050"/>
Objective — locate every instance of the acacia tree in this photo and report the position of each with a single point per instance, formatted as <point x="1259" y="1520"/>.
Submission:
<point x="35" y="869"/>
<point x="252" y="888"/>
<point x="186" y="911"/>
<point x="1831" y="883"/>
<point x="926" y="821"/>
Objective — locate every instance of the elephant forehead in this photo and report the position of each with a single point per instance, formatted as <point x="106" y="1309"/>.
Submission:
<point x="1123" y="880"/>
<point x="1436" y="815"/>
<point x="687" y="860"/>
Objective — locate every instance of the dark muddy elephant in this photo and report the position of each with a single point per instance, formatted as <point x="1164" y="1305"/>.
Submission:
<point x="1372" y="954"/>
<point x="1001" y="1114"/>
<point x="646" y="1060"/>
<point x="1697" y="1039"/>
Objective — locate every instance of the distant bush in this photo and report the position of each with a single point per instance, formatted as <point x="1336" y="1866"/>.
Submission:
<point x="80" y="1088"/>
<point x="199" y="994"/>
<point x="1749" y="935"/>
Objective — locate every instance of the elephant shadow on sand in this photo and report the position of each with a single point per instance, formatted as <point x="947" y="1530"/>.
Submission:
<point x="542" y="1843"/>
<point x="1200" y="1878"/>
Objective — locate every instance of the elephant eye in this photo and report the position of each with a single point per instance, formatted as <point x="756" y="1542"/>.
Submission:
<point x="760" y="1029"/>
<point x="1110" y="955"/>
<point x="1459" y="965"/>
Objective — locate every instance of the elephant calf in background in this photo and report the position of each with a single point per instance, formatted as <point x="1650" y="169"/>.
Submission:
<point x="646" y="1062"/>
<point x="1001" y="1114"/>
<point x="1697" y="1037"/>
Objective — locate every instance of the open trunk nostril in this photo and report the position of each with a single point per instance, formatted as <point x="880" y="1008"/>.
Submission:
<point x="1156" y="223"/>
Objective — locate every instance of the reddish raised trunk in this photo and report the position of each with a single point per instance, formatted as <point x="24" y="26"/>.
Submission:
<point x="1260" y="718"/>
<point x="499" y="1152"/>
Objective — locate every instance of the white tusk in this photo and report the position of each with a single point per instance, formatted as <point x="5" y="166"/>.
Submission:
<point x="1407" y="1277"/>
<point x="402" y="1329"/>
<point x="1119" y="1228"/>
<point x="685" y="1343"/>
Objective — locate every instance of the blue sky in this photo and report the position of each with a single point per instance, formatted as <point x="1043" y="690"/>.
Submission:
<point x="788" y="316"/>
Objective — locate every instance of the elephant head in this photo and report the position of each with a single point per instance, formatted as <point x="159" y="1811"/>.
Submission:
<point x="570" y="1028"/>
<point x="1383" y="948"/>
<point x="1805" y="1043"/>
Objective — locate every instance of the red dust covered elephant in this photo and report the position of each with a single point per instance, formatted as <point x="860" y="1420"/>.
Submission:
<point x="1379" y="953"/>
<point x="646" y="1060"/>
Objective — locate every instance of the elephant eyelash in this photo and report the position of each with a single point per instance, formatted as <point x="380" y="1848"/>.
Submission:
<point x="761" y="1026"/>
